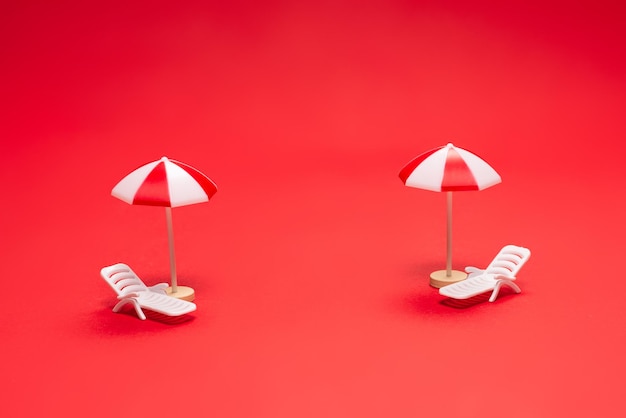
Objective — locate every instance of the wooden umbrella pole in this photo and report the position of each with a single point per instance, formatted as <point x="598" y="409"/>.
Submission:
<point x="170" y="238"/>
<point x="449" y="238"/>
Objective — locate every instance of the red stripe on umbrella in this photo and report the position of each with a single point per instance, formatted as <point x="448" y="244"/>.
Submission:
<point x="457" y="175"/>
<point x="154" y="190"/>
<point x="412" y="165"/>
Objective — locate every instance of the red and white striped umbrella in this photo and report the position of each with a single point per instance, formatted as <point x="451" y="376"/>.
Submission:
<point x="167" y="183"/>
<point x="448" y="169"/>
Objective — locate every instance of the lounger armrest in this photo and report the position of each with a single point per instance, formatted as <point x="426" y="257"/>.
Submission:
<point x="159" y="288"/>
<point x="131" y="295"/>
<point x="504" y="277"/>
<point x="473" y="271"/>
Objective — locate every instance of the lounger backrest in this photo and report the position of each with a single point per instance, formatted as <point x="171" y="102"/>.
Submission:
<point x="122" y="279"/>
<point x="509" y="261"/>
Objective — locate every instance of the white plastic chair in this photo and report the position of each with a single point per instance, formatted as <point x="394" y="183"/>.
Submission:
<point x="130" y="289"/>
<point x="500" y="272"/>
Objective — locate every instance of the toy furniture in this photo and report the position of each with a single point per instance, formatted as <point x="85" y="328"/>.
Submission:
<point x="501" y="271"/>
<point x="130" y="289"/>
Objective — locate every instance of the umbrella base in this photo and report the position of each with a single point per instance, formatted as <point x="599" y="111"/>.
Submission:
<point x="182" y="292"/>
<point x="439" y="278"/>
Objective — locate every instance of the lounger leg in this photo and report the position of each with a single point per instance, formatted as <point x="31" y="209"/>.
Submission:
<point x="119" y="305"/>
<point x="496" y="289"/>
<point x="140" y="313"/>
<point x="123" y="302"/>
<point x="515" y="287"/>
<point x="495" y="292"/>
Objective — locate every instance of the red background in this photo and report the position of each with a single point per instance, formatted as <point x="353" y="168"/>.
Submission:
<point x="311" y="262"/>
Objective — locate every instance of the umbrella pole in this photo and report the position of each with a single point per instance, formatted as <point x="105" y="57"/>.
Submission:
<point x="448" y="276"/>
<point x="449" y="238"/>
<point x="170" y="239"/>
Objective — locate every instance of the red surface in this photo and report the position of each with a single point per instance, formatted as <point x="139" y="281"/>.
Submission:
<point x="311" y="263"/>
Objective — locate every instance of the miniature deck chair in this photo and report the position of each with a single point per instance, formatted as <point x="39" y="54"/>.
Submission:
<point x="130" y="289"/>
<point x="500" y="272"/>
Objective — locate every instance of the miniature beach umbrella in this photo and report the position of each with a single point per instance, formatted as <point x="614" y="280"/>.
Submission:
<point x="166" y="183"/>
<point x="448" y="169"/>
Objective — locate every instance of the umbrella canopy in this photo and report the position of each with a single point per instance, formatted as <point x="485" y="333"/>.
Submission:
<point x="448" y="169"/>
<point x="167" y="183"/>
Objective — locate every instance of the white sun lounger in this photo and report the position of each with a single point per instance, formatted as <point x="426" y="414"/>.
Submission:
<point x="130" y="289"/>
<point x="500" y="272"/>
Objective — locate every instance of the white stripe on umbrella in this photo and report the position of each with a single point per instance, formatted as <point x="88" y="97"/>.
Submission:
<point x="182" y="193"/>
<point x="167" y="183"/>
